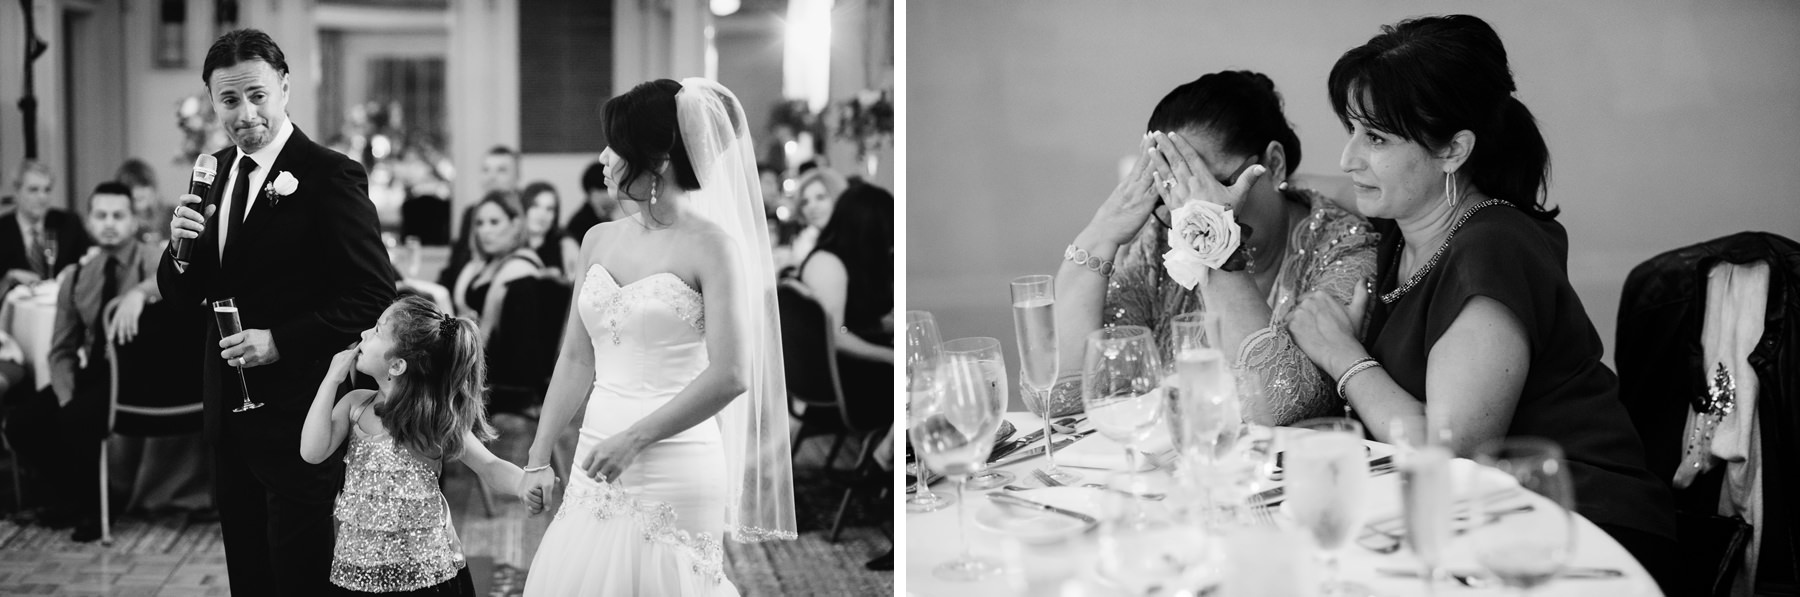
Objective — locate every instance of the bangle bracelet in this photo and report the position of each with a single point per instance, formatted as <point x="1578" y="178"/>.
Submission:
<point x="1080" y="256"/>
<point x="533" y="469"/>
<point x="1358" y="367"/>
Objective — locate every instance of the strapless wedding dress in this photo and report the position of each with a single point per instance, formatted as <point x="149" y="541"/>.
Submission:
<point x="658" y="529"/>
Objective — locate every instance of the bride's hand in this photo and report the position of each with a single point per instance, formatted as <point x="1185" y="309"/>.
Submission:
<point x="1124" y="212"/>
<point x="1191" y="177"/>
<point x="608" y="460"/>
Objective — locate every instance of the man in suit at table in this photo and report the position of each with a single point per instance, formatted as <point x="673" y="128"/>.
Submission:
<point x="33" y="233"/>
<point x="290" y="233"/>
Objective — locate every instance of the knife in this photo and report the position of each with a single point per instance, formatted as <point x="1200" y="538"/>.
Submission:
<point x="1271" y="497"/>
<point x="1007" y="498"/>
<point x="1565" y="573"/>
<point x="1038" y="451"/>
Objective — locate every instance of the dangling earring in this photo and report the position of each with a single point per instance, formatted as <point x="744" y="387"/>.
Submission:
<point x="653" y="182"/>
<point x="1449" y="183"/>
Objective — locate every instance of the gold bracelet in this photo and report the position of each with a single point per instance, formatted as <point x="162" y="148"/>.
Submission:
<point x="1080" y="256"/>
<point x="1358" y="367"/>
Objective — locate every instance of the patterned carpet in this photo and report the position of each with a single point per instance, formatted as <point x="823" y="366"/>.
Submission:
<point x="171" y="556"/>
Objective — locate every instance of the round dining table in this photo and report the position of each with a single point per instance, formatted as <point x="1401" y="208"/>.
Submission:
<point x="1275" y="558"/>
<point x="29" y="316"/>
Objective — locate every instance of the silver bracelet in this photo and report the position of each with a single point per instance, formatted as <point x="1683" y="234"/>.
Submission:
<point x="533" y="469"/>
<point x="1080" y="256"/>
<point x="1358" y="367"/>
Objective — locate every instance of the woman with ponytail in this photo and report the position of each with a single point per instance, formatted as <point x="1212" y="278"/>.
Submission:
<point x="1219" y="142"/>
<point x="1472" y="321"/>
<point x="393" y="524"/>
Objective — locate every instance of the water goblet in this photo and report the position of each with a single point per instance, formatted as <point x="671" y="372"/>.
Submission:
<point x="1326" y="470"/>
<point x="953" y="431"/>
<point x="1531" y="547"/>
<point x="921" y="346"/>
<point x="989" y="366"/>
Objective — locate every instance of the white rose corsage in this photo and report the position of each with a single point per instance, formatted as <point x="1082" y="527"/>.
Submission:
<point x="1203" y="236"/>
<point x="284" y="184"/>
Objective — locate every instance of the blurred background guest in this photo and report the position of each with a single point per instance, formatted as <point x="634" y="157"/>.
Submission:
<point x="499" y="172"/>
<point x="852" y="274"/>
<point x="817" y="189"/>
<point x="557" y="251"/>
<point x="499" y="254"/>
<point x="152" y="211"/>
<point x="426" y="213"/>
<point x="36" y="239"/>
<point x="598" y="206"/>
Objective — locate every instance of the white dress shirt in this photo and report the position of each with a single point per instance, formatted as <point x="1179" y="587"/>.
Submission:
<point x="264" y="159"/>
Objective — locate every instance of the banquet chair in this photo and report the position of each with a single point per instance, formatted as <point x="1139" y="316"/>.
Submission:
<point x="521" y="353"/>
<point x="146" y="399"/>
<point x="809" y="359"/>
<point x="1661" y="370"/>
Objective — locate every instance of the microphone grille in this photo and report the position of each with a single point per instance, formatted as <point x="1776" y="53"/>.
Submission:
<point x="206" y="163"/>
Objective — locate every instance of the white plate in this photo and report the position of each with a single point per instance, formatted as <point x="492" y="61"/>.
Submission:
<point x="1037" y="526"/>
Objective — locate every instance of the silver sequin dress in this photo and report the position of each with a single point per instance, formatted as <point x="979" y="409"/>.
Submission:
<point x="393" y="524"/>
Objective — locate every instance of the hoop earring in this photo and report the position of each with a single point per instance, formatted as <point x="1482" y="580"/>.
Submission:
<point x="653" y="185"/>
<point x="1449" y="183"/>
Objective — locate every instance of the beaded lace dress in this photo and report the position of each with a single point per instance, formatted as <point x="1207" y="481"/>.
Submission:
<point x="657" y="529"/>
<point x="393" y="525"/>
<point x="1330" y="250"/>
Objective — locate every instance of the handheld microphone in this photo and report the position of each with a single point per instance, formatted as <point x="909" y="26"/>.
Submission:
<point x="205" y="168"/>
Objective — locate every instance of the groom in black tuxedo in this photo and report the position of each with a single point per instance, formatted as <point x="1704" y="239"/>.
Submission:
<point x="290" y="233"/>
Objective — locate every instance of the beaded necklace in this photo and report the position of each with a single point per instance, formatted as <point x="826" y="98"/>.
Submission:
<point x="1419" y="275"/>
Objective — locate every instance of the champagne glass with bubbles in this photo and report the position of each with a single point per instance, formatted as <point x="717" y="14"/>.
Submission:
<point x="1119" y="382"/>
<point x="922" y="347"/>
<point x="1425" y="490"/>
<point x="1326" y="473"/>
<point x="982" y="359"/>
<point x="1532" y="547"/>
<point x="226" y="313"/>
<point x="952" y="429"/>
<point x="1034" y="323"/>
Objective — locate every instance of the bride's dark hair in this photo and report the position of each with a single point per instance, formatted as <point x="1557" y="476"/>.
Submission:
<point x="1240" y="106"/>
<point x="642" y="129"/>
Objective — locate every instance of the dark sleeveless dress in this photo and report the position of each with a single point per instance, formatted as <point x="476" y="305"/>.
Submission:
<point x="1569" y="397"/>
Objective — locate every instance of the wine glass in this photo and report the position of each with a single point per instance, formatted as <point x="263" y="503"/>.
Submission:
<point x="1034" y="324"/>
<point x="952" y="429"/>
<point x="1120" y="375"/>
<point x="1425" y="491"/>
<point x="50" y="247"/>
<point x="922" y="345"/>
<point x="226" y="312"/>
<point x="1531" y="547"/>
<point x="1326" y="470"/>
<point x="991" y="367"/>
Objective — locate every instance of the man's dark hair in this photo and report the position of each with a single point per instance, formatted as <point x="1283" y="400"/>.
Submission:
<point x="242" y="45"/>
<point x="593" y="178"/>
<point x="505" y="151"/>
<point x="111" y="187"/>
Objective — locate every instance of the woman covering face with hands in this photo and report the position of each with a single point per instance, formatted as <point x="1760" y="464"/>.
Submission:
<point x="1222" y="141"/>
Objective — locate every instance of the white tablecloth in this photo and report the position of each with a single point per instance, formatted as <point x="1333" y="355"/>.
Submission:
<point x="29" y="316"/>
<point x="931" y="539"/>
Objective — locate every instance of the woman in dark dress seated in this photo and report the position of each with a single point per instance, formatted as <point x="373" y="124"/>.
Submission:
<point x="1472" y="321"/>
<point x="499" y="255"/>
<point x="852" y="273"/>
<point x="557" y="251"/>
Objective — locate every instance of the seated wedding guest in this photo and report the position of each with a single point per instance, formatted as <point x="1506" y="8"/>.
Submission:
<point x="557" y="251"/>
<point x="426" y="212"/>
<point x="852" y="274"/>
<point x="818" y="189"/>
<point x="499" y="172"/>
<point x="499" y="255"/>
<point x="599" y="206"/>
<point x="146" y="201"/>
<point x="37" y="240"/>
<point x="78" y="368"/>
<point x="1472" y="322"/>
<point x="1222" y="140"/>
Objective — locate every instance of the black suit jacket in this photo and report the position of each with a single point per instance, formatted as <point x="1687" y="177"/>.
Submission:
<point x="310" y="268"/>
<point x="71" y="239"/>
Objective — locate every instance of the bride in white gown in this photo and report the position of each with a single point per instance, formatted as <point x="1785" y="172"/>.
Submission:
<point x="674" y="342"/>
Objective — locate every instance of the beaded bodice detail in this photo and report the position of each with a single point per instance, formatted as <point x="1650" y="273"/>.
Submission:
<point x="616" y="304"/>
<point x="393" y="525"/>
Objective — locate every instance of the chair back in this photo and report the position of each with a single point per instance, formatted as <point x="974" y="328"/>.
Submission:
<point x="521" y="353"/>
<point x="809" y="352"/>
<point x="155" y="380"/>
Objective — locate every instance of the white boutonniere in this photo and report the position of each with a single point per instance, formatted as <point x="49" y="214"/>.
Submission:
<point x="1203" y="235"/>
<point x="284" y="184"/>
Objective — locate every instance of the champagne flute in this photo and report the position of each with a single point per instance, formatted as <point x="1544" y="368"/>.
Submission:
<point x="922" y="346"/>
<point x="1034" y="324"/>
<point x="1119" y="386"/>
<point x="984" y="354"/>
<point x="226" y="313"/>
<point x="953" y="431"/>
<point x="1206" y="417"/>
<point x="1326" y="471"/>
<point x="1425" y="491"/>
<point x="1531" y="547"/>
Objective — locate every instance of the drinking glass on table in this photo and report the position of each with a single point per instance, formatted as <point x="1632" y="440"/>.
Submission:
<point x="984" y="361"/>
<point x="952" y="430"/>
<point x="1326" y="469"/>
<point x="1034" y="324"/>
<point x="1426" y="495"/>
<point x="1205" y="417"/>
<point x="922" y="346"/>
<point x="50" y="247"/>
<point x="226" y="313"/>
<point x="1119" y="382"/>
<point x="1529" y="548"/>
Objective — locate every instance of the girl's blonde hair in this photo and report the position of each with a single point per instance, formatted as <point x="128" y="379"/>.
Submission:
<point x="440" y="395"/>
